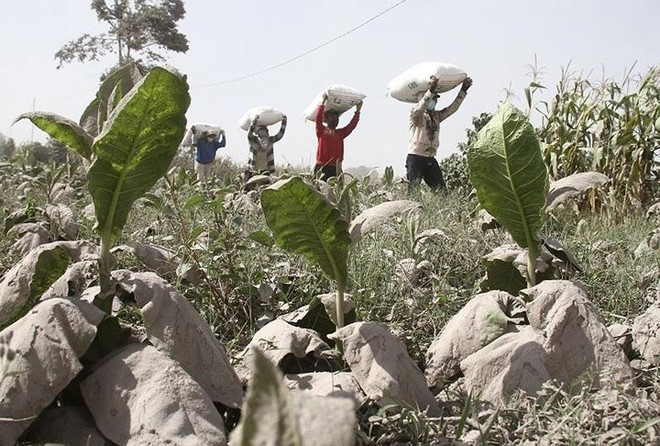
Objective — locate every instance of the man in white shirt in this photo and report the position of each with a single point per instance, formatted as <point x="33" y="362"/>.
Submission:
<point x="424" y="136"/>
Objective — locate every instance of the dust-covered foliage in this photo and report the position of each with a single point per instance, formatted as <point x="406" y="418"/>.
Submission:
<point x="609" y="126"/>
<point x="248" y="281"/>
<point x="413" y="272"/>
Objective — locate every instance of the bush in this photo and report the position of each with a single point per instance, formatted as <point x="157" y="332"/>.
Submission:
<point x="7" y="147"/>
<point x="455" y="171"/>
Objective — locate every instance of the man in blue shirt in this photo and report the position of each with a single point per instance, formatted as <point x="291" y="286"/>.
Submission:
<point x="208" y="143"/>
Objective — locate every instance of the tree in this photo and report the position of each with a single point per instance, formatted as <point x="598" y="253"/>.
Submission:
<point x="7" y="147"/>
<point x="478" y="122"/>
<point x="137" y="27"/>
<point x="58" y="151"/>
<point x="53" y="151"/>
<point x="35" y="152"/>
<point x="455" y="167"/>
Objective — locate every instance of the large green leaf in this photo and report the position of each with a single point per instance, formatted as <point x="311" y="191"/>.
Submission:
<point x="115" y="85"/>
<point x="136" y="147"/>
<point x="269" y="415"/>
<point x="509" y="175"/>
<point x="62" y="129"/>
<point x="305" y="223"/>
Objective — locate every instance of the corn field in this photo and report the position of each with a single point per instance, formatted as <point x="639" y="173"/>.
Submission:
<point x="609" y="127"/>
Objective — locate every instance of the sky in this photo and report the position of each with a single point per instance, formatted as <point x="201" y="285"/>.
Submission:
<point x="495" y="42"/>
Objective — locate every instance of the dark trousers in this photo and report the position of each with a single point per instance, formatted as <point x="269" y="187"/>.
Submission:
<point x="327" y="171"/>
<point x="426" y="168"/>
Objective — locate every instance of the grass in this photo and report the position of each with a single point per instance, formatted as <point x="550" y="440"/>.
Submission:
<point x="614" y="275"/>
<point x="247" y="282"/>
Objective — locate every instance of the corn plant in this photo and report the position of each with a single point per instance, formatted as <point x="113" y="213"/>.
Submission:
<point x="610" y="127"/>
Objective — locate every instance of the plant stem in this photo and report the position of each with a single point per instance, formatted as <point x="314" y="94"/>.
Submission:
<point x="339" y="303"/>
<point x="532" y="254"/>
<point x="185" y="235"/>
<point x="103" y="300"/>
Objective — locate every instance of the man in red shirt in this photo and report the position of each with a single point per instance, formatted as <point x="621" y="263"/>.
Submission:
<point x="330" y="152"/>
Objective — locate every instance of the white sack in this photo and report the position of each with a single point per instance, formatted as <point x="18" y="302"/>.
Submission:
<point x="407" y="85"/>
<point x="267" y="116"/>
<point x="340" y="98"/>
<point x="200" y="128"/>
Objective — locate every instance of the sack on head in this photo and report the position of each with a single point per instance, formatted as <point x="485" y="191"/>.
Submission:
<point x="408" y="85"/>
<point x="200" y="128"/>
<point x="340" y="98"/>
<point x="267" y="116"/>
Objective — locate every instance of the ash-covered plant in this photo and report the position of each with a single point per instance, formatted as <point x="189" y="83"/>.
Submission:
<point x="455" y="173"/>
<point x="44" y="297"/>
<point x="303" y="221"/>
<point x="512" y="184"/>
<point x="129" y="134"/>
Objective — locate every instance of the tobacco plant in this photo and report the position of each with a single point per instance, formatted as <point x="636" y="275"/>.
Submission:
<point x="129" y="134"/>
<point x="512" y="184"/>
<point x="303" y="221"/>
<point x="511" y="180"/>
<point x="131" y="152"/>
